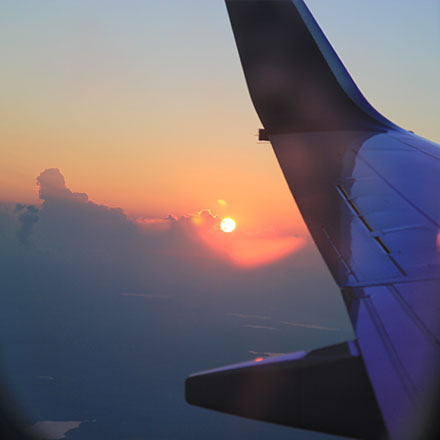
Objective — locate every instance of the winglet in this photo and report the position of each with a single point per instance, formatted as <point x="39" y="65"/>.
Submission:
<point x="295" y="78"/>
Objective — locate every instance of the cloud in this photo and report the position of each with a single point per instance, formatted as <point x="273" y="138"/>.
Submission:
<point x="75" y="234"/>
<point x="70" y="221"/>
<point x="71" y="226"/>
<point x="52" y="185"/>
<point x="28" y="217"/>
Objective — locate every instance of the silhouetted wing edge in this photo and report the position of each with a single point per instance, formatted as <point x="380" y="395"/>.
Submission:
<point x="309" y="390"/>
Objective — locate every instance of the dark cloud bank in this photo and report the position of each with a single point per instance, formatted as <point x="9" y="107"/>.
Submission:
<point x="117" y="313"/>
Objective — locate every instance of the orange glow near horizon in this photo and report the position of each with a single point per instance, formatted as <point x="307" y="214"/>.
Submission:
<point x="252" y="252"/>
<point x="244" y="249"/>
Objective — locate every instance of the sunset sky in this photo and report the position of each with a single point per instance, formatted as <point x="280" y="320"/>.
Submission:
<point x="143" y="105"/>
<point x="117" y="282"/>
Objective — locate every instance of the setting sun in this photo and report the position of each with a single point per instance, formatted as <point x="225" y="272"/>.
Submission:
<point x="227" y="225"/>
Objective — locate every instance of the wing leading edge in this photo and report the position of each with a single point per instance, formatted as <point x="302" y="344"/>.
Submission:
<point x="364" y="187"/>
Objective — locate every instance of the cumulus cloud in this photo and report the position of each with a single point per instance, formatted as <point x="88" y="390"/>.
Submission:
<point x="69" y="222"/>
<point x="52" y="185"/>
<point x="72" y="226"/>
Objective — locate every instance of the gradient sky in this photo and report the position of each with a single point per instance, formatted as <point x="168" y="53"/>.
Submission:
<point x="143" y="104"/>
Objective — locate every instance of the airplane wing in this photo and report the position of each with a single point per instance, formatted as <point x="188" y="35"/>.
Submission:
<point x="366" y="190"/>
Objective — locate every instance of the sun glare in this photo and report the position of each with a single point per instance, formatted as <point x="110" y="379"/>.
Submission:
<point x="227" y="225"/>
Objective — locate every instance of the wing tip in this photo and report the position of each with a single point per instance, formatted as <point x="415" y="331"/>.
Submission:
<point x="295" y="78"/>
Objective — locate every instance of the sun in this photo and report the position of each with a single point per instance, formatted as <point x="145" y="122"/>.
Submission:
<point x="227" y="225"/>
